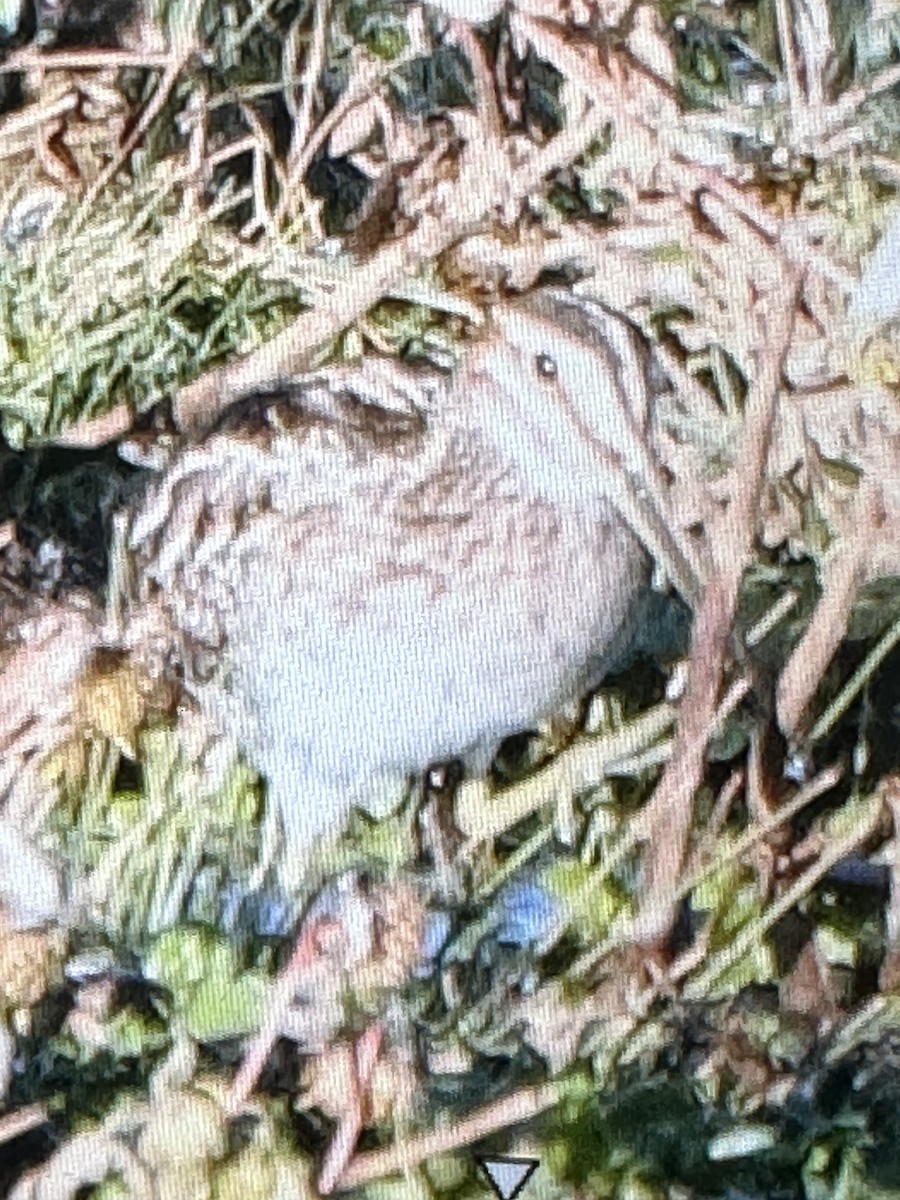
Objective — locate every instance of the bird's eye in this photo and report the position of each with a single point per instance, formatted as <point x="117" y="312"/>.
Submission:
<point x="546" y="366"/>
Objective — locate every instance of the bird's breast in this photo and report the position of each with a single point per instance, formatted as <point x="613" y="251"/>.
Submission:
<point x="360" y="612"/>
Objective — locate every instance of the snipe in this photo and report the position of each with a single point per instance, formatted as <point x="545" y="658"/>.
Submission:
<point x="355" y="591"/>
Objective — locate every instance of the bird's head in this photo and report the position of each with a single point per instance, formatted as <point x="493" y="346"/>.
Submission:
<point x="562" y="388"/>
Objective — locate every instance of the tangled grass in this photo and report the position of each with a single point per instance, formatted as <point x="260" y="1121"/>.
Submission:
<point x="660" y="956"/>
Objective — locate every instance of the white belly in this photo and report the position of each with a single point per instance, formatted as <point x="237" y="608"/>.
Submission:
<point x="354" y="671"/>
<point x="370" y="613"/>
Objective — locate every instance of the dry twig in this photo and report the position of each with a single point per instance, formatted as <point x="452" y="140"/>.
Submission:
<point x="517" y="1109"/>
<point x="731" y="535"/>
<point x="453" y="213"/>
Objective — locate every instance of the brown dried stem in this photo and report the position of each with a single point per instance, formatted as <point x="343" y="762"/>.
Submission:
<point x="732" y="535"/>
<point x="516" y="1109"/>
<point x="154" y="106"/>
<point x="15" y="1124"/>
<point x="454" y="212"/>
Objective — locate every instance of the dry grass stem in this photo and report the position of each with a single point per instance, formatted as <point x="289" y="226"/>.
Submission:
<point x="455" y="212"/>
<point x="731" y="537"/>
<point x="281" y="996"/>
<point x="517" y="1109"/>
<point x="29" y="59"/>
<point x="856" y="683"/>
<point x="869" y="814"/>
<point x="628" y="930"/>
<point x="315" y="61"/>
<point x="13" y="1125"/>
<point x="154" y="107"/>
<point x="482" y="817"/>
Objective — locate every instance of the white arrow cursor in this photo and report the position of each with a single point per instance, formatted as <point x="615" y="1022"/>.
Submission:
<point x="507" y="1176"/>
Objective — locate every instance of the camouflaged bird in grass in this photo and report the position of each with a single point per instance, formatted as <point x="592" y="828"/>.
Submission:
<point x="355" y="590"/>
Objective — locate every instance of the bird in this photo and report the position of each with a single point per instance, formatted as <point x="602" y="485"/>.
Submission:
<point x="376" y="571"/>
<point x="355" y="590"/>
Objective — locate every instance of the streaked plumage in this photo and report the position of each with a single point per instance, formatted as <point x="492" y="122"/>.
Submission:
<point x="355" y="594"/>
